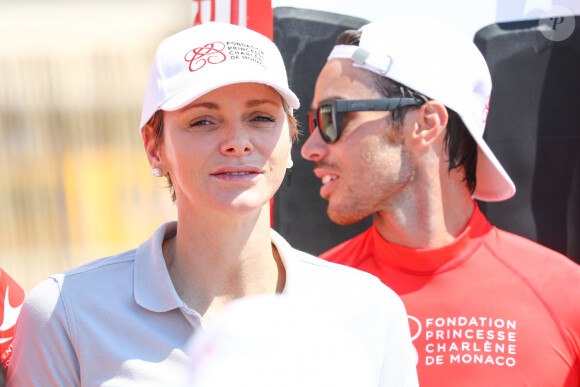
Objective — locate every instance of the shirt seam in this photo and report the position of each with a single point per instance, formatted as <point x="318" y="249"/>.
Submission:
<point x="69" y="316"/>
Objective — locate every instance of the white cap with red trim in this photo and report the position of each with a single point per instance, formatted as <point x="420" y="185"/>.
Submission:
<point x="206" y="57"/>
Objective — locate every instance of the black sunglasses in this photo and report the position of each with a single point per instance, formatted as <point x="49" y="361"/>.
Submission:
<point x="328" y="117"/>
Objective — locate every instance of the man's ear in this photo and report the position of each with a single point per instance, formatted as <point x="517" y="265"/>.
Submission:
<point x="430" y="123"/>
<point x="151" y="145"/>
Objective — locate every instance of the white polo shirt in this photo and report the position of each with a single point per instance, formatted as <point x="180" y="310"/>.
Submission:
<point x="118" y="321"/>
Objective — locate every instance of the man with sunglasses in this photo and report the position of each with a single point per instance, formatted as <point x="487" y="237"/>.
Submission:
<point x="397" y="131"/>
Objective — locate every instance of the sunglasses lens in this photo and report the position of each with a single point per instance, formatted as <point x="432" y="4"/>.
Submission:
<point x="327" y="124"/>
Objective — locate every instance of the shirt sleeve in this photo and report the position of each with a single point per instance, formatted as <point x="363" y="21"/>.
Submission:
<point x="43" y="350"/>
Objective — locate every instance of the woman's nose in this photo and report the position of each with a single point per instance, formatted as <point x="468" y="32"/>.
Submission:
<point x="237" y="141"/>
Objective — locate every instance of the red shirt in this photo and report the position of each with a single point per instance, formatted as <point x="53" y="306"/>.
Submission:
<point x="490" y="309"/>
<point x="11" y="299"/>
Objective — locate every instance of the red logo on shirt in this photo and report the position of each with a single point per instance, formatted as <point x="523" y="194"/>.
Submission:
<point x="414" y="327"/>
<point x="12" y="297"/>
<point x="200" y="56"/>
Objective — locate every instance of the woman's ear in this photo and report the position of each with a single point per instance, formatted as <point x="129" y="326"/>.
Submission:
<point x="430" y="124"/>
<point x="151" y="145"/>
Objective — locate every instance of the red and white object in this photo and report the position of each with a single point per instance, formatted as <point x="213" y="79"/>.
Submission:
<point x="256" y="15"/>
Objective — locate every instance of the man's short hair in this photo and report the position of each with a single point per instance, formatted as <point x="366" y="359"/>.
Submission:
<point x="460" y="146"/>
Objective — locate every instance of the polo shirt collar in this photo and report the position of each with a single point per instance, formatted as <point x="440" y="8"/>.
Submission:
<point x="154" y="290"/>
<point x="290" y="262"/>
<point x="153" y="287"/>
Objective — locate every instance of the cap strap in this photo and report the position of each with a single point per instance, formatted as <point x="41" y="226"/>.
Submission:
<point x="379" y="64"/>
<point x="360" y="55"/>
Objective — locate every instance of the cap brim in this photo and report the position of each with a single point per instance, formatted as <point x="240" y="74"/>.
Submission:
<point x="493" y="182"/>
<point x="189" y="94"/>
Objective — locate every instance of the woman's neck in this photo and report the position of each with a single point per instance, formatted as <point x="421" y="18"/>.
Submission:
<point x="214" y="262"/>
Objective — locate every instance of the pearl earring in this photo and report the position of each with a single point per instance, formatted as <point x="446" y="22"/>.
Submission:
<point x="156" y="172"/>
<point x="289" y="163"/>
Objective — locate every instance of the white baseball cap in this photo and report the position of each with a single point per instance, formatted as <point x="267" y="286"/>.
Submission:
<point x="442" y="63"/>
<point x="203" y="58"/>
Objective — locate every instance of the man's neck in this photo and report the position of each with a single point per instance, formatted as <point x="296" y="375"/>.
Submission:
<point x="430" y="220"/>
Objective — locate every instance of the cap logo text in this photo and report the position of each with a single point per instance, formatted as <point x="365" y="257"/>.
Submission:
<point x="246" y="52"/>
<point x="200" y="56"/>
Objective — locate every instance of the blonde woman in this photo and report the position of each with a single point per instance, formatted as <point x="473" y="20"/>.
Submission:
<point x="217" y="123"/>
